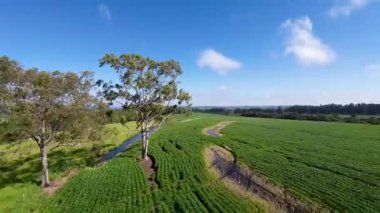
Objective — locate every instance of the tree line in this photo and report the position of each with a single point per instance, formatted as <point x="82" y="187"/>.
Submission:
<point x="59" y="108"/>
<point x="348" y="109"/>
<point x="350" y="113"/>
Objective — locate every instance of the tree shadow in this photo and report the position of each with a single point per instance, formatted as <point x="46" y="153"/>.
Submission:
<point x="27" y="169"/>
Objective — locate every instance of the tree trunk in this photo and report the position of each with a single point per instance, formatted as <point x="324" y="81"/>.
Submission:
<point x="145" y="154"/>
<point x="45" y="170"/>
<point x="145" y="143"/>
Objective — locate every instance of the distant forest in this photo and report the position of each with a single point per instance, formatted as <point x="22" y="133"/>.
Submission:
<point x="351" y="113"/>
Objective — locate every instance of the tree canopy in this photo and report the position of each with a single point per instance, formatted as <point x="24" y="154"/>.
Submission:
<point x="48" y="107"/>
<point x="9" y="72"/>
<point x="149" y="87"/>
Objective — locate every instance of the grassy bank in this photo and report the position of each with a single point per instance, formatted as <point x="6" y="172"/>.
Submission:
<point x="20" y="167"/>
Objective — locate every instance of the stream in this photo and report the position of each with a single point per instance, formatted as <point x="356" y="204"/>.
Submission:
<point x="124" y="146"/>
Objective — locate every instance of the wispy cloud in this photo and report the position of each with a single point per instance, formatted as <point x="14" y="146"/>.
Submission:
<point x="105" y="12"/>
<point x="346" y="7"/>
<point x="304" y="45"/>
<point x="217" y="62"/>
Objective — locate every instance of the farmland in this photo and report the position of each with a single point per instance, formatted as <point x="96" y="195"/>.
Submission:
<point x="334" y="164"/>
<point x="331" y="164"/>
<point x="119" y="186"/>
<point x="183" y="182"/>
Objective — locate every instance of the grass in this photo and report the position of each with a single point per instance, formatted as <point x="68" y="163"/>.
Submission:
<point x="21" y="198"/>
<point x="20" y="167"/>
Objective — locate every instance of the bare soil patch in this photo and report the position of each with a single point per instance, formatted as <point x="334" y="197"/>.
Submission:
<point x="58" y="184"/>
<point x="215" y="130"/>
<point x="149" y="170"/>
<point x="247" y="183"/>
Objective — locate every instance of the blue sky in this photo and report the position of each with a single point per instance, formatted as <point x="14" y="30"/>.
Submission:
<point x="242" y="52"/>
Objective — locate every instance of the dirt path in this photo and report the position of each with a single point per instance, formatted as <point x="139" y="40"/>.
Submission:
<point x="215" y="130"/>
<point x="246" y="183"/>
<point x="188" y="120"/>
<point x="149" y="170"/>
<point x="56" y="185"/>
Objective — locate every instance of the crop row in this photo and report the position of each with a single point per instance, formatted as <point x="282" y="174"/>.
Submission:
<point x="334" y="164"/>
<point x="118" y="186"/>
<point x="183" y="177"/>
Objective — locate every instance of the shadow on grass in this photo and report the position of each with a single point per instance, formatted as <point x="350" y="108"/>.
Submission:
<point x="27" y="169"/>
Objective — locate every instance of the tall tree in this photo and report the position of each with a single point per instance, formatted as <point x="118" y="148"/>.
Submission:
<point x="9" y="74"/>
<point x="147" y="86"/>
<point x="51" y="108"/>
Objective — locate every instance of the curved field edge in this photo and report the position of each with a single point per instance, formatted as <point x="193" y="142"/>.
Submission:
<point x="217" y="128"/>
<point x="273" y="148"/>
<point x="183" y="182"/>
<point x="246" y="183"/>
<point x="333" y="164"/>
<point x="234" y="187"/>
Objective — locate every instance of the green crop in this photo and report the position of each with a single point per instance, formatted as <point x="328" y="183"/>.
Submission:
<point x="118" y="186"/>
<point x="333" y="164"/>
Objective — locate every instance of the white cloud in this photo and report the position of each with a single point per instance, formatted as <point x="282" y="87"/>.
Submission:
<point x="304" y="45"/>
<point x="346" y="7"/>
<point x="104" y="12"/>
<point x="373" y="70"/>
<point x="216" y="61"/>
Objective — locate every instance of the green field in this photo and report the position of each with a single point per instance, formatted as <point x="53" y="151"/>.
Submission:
<point x="183" y="181"/>
<point x="333" y="164"/>
<point x="118" y="187"/>
<point x="20" y="167"/>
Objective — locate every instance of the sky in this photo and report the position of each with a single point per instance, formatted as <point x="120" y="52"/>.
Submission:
<point x="233" y="53"/>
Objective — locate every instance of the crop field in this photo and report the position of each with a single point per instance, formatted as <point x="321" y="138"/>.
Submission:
<point x="335" y="164"/>
<point x="182" y="180"/>
<point x="120" y="186"/>
<point x="332" y="164"/>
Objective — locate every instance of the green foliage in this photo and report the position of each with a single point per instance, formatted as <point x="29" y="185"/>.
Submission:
<point x="9" y="72"/>
<point x="147" y="87"/>
<point x="48" y="107"/>
<point x="48" y="104"/>
<point x="121" y="116"/>
<point x="119" y="186"/>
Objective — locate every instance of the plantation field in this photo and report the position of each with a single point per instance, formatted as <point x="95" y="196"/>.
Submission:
<point x="118" y="187"/>
<point x="332" y="164"/>
<point x="183" y="182"/>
